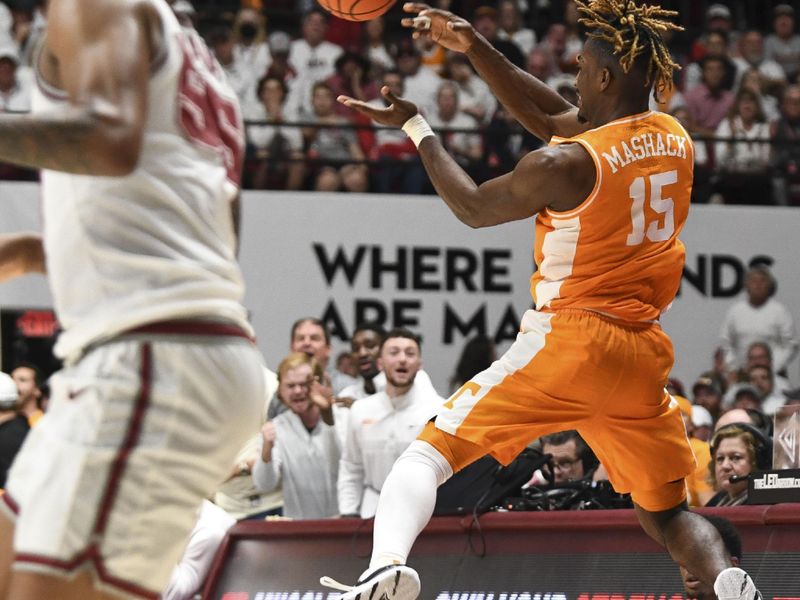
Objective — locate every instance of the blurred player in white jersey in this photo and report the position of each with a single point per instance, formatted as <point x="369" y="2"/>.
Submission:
<point x="140" y="142"/>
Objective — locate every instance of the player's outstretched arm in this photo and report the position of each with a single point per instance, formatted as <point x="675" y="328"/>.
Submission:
<point x="102" y="50"/>
<point x="539" y="108"/>
<point x="560" y="177"/>
<point x="20" y="253"/>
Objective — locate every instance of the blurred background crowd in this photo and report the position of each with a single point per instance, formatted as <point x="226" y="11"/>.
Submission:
<point x="288" y="60"/>
<point x="334" y="421"/>
<point x="333" y="425"/>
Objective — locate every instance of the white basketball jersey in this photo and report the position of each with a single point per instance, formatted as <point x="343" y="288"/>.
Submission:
<point x="157" y="244"/>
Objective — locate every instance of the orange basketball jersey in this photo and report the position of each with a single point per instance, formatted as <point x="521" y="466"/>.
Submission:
<point x="618" y="253"/>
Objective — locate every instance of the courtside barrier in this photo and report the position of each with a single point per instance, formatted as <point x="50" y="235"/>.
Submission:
<point x="589" y="555"/>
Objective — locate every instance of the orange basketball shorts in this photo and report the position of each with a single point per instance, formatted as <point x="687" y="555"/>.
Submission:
<point x="574" y="369"/>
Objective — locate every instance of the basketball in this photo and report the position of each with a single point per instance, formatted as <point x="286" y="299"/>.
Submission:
<point x="356" y="10"/>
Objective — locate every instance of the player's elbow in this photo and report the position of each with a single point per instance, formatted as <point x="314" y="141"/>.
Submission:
<point x="33" y="251"/>
<point x="476" y="223"/>
<point x="474" y="215"/>
<point x="478" y="215"/>
<point x="124" y="149"/>
<point x="118" y="139"/>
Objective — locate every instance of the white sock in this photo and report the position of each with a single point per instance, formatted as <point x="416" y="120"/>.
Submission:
<point x="406" y="504"/>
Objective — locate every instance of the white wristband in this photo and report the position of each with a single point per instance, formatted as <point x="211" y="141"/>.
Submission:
<point x="417" y="129"/>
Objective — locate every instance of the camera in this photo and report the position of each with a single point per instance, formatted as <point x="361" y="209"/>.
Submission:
<point x="583" y="494"/>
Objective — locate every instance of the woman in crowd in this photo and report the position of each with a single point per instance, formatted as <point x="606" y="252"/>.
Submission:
<point x="335" y="147"/>
<point x="744" y="164"/>
<point x="251" y="52"/>
<point x="512" y="27"/>
<point x="702" y="185"/>
<point x="353" y="77"/>
<point x="376" y="49"/>
<point x="476" y="99"/>
<point x="733" y="455"/>
<point x="753" y="81"/>
<point x="273" y="142"/>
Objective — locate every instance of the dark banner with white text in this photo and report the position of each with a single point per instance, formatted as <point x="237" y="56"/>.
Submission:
<point x="591" y="555"/>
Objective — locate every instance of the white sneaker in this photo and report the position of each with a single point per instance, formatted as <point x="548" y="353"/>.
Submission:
<point x="735" y="584"/>
<point x="392" y="582"/>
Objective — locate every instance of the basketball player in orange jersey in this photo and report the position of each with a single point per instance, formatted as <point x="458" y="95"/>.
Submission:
<point x="140" y="142"/>
<point x="610" y="195"/>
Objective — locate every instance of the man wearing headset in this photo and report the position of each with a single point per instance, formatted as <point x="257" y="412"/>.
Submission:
<point x="572" y="458"/>
<point x="737" y="450"/>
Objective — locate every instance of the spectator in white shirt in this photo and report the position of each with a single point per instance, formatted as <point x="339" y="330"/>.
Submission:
<point x="375" y="45"/>
<point x="783" y="46"/>
<point x="6" y="24"/>
<point x="751" y="55"/>
<point x="275" y="139"/>
<point x="312" y="57"/>
<point x="420" y="82"/>
<point x="299" y="448"/>
<point x="759" y="317"/>
<point x="512" y="27"/>
<point x="716" y="45"/>
<point x="190" y="573"/>
<point x="251" y="51"/>
<point x="238" y="76"/>
<point x="383" y="425"/>
<point x="465" y="148"/>
<point x="475" y="97"/>
<point x="310" y="335"/>
<point x="365" y="347"/>
<point x="743" y="159"/>
<point x="312" y="54"/>
<point x="754" y="81"/>
<point x="29" y="25"/>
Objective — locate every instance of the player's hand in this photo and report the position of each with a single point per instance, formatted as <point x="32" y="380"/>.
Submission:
<point x="396" y="114"/>
<point x="269" y="434"/>
<point x="441" y="26"/>
<point x="321" y="394"/>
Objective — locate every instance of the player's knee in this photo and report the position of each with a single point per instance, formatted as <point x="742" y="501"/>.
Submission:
<point x="668" y="497"/>
<point x="421" y="452"/>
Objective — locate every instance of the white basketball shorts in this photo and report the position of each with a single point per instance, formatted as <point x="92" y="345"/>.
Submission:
<point x="138" y="432"/>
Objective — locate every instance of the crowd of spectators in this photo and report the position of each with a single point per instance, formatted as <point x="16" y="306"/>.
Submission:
<point x="737" y="93"/>
<point x="331" y="429"/>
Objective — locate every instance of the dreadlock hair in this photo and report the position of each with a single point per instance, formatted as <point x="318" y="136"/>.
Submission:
<point x="631" y="31"/>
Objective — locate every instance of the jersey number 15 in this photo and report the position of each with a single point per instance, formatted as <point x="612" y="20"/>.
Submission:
<point x="655" y="230"/>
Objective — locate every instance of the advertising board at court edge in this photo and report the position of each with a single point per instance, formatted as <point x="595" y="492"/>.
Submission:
<point x="476" y="595"/>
